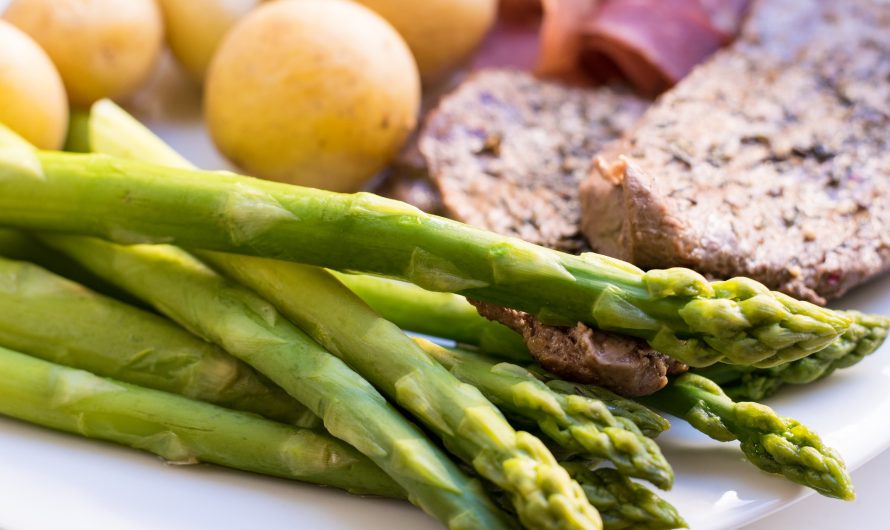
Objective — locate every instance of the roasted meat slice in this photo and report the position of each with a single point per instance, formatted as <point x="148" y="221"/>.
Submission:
<point x="624" y="365"/>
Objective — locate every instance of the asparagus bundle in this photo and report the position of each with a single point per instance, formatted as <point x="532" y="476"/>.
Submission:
<point x="861" y="339"/>
<point x="60" y="321"/>
<point x="771" y="442"/>
<point x="676" y="310"/>
<point x="249" y="328"/>
<point x="541" y="491"/>
<point x="179" y="429"/>
<point x="577" y="424"/>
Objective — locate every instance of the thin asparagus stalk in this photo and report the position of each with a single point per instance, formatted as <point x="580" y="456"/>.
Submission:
<point x="771" y="442"/>
<point x="18" y="245"/>
<point x="543" y="494"/>
<point x="50" y="317"/>
<point x="577" y="424"/>
<point x="861" y="339"/>
<point x="622" y="502"/>
<point x="676" y="310"/>
<point x="436" y="314"/>
<point x="179" y="429"/>
<point x="649" y="422"/>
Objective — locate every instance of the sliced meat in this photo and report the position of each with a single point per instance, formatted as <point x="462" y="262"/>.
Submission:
<point x="624" y="365"/>
<point x="508" y="152"/>
<point x="772" y="160"/>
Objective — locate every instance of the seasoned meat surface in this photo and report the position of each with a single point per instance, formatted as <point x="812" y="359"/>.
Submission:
<point x="772" y="160"/>
<point x="508" y="152"/>
<point x="624" y="365"/>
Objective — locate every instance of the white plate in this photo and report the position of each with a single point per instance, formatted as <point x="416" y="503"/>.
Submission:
<point x="51" y="481"/>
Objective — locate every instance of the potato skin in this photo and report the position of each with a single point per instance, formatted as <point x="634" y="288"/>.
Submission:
<point x="320" y="93"/>
<point x="194" y="29"/>
<point x="102" y="48"/>
<point x="32" y="97"/>
<point x="441" y="33"/>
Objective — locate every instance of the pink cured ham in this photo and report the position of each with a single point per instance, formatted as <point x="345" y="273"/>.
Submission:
<point x="651" y="43"/>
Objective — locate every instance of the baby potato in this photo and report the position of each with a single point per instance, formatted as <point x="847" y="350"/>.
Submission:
<point x="195" y="28"/>
<point x="102" y="48"/>
<point x="320" y="93"/>
<point x="32" y="97"/>
<point x="440" y="33"/>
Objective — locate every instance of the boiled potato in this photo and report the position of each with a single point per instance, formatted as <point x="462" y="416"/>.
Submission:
<point x="440" y="33"/>
<point x="314" y="92"/>
<point x="102" y="48"/>
<point x="196" y="27"/>
<point x="32" y="97"/>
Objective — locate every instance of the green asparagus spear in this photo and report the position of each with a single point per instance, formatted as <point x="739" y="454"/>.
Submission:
<point x="575" y="423"/>
<point x="436" y="314"/>
<point x="649" y="422"/>
<point x="18" y="245"/>
<point x="861" y="339"/>
<point x="771" y="442"/>
<point x="62" y="322"/>
<point x="179" y="429"/>
<point x="622" y="502"/>
<point x="676" y="310"/>
<point x="544" y="495"/>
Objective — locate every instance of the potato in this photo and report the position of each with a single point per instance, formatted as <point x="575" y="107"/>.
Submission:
<point x="440" y="33"/>
<point x="195" y="28"/>
<point x="102" y="48"/>
<point x="314" y="92"/>
<point x="32" y="97"/>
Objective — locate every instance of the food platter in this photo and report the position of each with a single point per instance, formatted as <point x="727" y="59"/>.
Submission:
<point x="50" y="480"/>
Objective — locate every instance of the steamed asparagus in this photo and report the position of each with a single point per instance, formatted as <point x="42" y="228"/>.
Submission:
<point x="543" y="494"/>
<point x="863" y="337"/>
<point x="577" y="424"/>
<point x="179" y="429"/>
<point x="771" y="442"/>
<point x="50" y="317"/>
<point x="248" y="327"/>
<point x="676" y="310"/>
